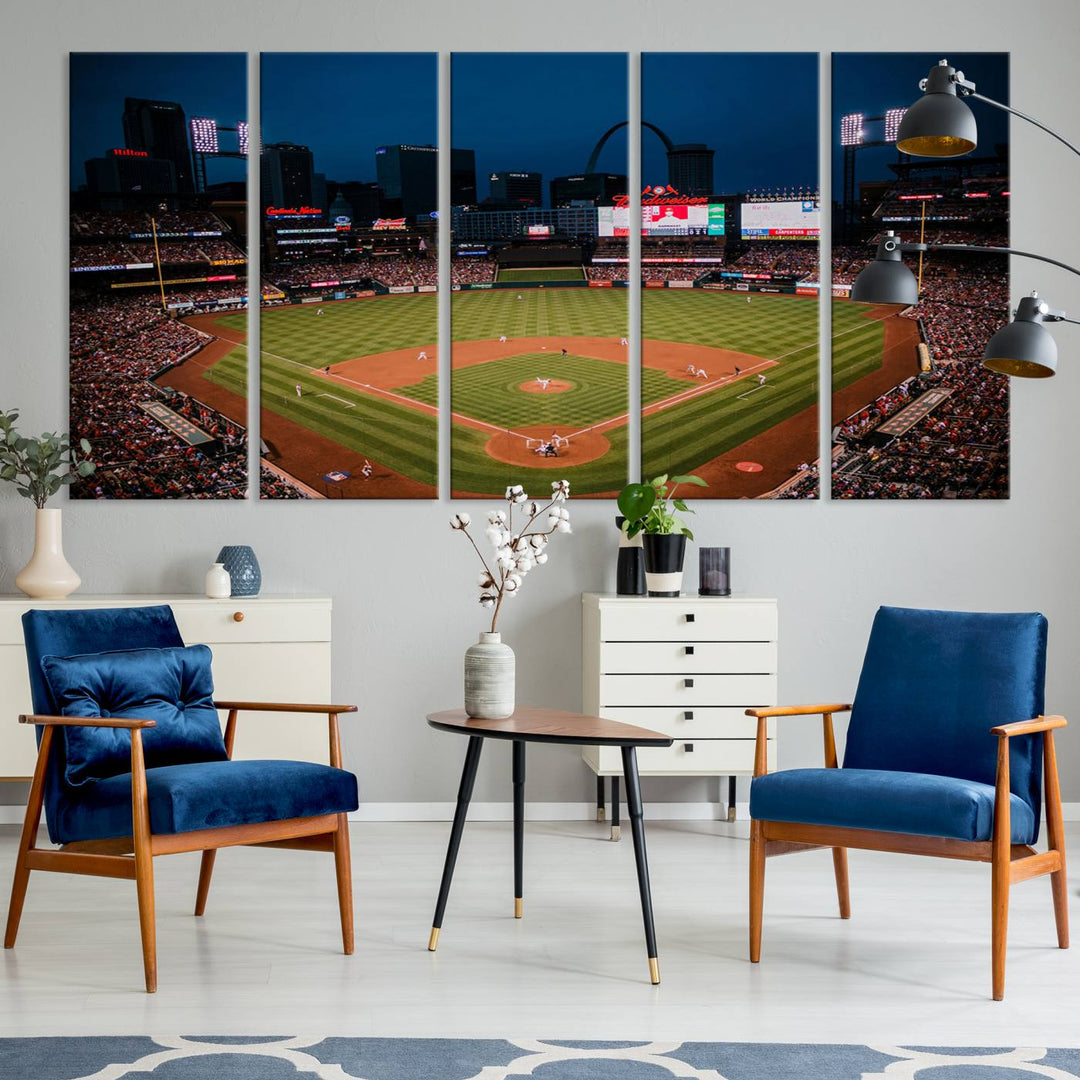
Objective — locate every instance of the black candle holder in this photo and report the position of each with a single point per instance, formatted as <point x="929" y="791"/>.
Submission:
<point x="714" y="571"/>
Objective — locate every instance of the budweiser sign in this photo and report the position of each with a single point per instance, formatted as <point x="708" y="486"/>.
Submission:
<point x="664" y="196"/>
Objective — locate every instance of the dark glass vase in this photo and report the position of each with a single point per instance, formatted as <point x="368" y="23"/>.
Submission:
<point x="630" y="570"/>
<point x="664" y="555"/>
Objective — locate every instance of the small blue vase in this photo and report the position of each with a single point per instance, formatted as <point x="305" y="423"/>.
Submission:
<point x="244" y="573"/>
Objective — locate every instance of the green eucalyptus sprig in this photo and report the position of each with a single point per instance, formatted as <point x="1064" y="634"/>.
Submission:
<point x="651" y="508"/>
<point x="39" y="467"/>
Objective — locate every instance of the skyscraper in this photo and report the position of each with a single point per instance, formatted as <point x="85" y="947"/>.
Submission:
<point x="463" y="178"/>
<point x="287" y="175"/>
<point x="525" y="188"/>
<point x="160" y="128"/>
<point x="690" y="169"/>
<point x="409" y="174"/>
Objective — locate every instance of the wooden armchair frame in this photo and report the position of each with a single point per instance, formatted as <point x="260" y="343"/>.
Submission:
<point x="1009" y="862"/>
<point x="132" y="857"/>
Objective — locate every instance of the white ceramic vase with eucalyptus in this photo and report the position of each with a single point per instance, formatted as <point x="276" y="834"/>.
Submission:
<point x="490" y="669"/>
<point x="48" y="575"/>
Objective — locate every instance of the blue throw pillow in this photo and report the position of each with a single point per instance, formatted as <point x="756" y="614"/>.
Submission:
<point x="172" y="686"/>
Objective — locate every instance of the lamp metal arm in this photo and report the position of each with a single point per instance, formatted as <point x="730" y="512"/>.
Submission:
<point x="1015" y="112"/>
<point x="912" y="247"/>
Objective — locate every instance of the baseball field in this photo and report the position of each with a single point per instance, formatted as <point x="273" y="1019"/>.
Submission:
<point x="368" y="399"/>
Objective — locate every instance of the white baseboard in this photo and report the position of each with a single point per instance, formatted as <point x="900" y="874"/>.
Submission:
<point x="12" y="814"/>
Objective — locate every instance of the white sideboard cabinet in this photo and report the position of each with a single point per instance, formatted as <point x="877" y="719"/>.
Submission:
<point x="688" y="666"/>
<point x="266" y="648"/>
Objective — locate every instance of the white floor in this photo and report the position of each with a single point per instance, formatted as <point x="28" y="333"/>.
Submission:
<point x="911" y="966"/>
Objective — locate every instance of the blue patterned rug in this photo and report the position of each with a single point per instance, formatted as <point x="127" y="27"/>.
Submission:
<point x="288" y="1058"/>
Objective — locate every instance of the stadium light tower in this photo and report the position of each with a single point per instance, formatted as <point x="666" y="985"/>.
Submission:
<point x="205" y="142"/>
<point x="1023" y="348"/>
<point x="940" y="124"/>
<point x="854" y="136"/>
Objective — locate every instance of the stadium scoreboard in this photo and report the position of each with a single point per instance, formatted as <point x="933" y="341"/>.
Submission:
<point x="788" y="219"/>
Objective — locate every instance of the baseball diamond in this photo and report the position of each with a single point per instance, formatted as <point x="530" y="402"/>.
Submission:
<point x="378" y="401"/>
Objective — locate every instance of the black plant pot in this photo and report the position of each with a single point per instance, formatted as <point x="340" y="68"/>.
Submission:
<point x="664" y="554"/>
<point x="630" y="571"/>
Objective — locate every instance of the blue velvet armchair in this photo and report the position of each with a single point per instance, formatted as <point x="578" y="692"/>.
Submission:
<point x="947" y="752"/>
<point x="132" y="763"/>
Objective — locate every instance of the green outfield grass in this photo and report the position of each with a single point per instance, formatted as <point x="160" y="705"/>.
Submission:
<point x="543" y="273"/>
<point x="295" y="339"/>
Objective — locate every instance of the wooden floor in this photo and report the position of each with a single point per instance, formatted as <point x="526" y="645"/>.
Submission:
<point x="911" y="966"/>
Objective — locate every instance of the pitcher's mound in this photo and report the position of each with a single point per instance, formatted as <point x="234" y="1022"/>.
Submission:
<point x="519" y="447"/>
<point x="554" y="386"/>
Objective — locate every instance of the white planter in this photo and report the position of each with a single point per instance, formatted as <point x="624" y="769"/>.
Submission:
<point x="48" y="575"/>
<point x="489" y="678"/>
<point x="218" y="582"/>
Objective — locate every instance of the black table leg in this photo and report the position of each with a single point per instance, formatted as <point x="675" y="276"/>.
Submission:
<point x="468" y="778"/>
<point x="600" y="798"/>
<point x="615" y="799"/>
<point x="731" y="798"/>
<point x="637" y="827"/>
<point x="519" y="825"/>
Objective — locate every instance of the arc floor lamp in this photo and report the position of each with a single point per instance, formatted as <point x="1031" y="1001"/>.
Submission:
<point x="940" y="124"/>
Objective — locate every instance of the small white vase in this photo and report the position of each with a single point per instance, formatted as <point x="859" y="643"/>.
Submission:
<point x="48" y="575"/>
<point x="489" y="679"/>
<point x="218" y="582"/>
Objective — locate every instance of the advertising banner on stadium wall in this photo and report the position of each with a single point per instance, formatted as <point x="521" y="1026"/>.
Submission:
<point x="401" y="288"/>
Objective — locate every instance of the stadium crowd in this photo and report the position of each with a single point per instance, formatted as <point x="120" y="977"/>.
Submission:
<point x="472" y="271"/>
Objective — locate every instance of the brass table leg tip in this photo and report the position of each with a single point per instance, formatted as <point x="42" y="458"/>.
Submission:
<point x="654" y="971"/>
<point x="616" y="832"/>
<point x="433" y="940"/>
<point x="600" y="814"/>
<point x="519" y="907"/>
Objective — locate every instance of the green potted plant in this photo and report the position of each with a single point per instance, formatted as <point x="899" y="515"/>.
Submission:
<point x="653" y="510"/>
<point x="39" y="466"/>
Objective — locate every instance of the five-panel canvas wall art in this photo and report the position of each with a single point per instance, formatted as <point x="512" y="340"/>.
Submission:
<point x="543" y="233"/>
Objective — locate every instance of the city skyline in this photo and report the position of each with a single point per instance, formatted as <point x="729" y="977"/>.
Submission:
<point x="203" y="84"/>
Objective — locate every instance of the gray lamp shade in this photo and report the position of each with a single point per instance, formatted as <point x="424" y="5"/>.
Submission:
<point x="939" y="124"/>
<point x="1024" y="348"/>
<point x="885" y="281"/>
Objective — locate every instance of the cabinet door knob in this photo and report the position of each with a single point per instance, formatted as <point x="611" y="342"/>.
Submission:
<point x="688" y="747"/>
<point x="689" y="650"/>
<point x="688" y="684"/>
<point x="238" y="616"/>
<point x="689" y="616"/>
<point x="688" y="715"/>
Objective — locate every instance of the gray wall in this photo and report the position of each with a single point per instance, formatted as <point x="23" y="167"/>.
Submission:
<point x="404" y="602"/>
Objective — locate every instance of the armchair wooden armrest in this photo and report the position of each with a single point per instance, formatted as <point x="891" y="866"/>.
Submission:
<point x="281" y="706"/>
<point x="761" y="766"/>
<point x="330" y="711"/>
<point x="87" y="721"/>
<point x="1029" y="727"/>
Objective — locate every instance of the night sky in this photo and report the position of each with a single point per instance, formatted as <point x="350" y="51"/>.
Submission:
<point x="758" y="111"/>
<point x="538" y="112"/>
<point x="870" y="83"/>
<point x="205" y="84"/>
<point x="344" y="105"/>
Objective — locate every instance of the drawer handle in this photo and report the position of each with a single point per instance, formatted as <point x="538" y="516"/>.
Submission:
<point x="688" y="715"/>
<point x="688" y="747"/>
<point x="688" y="684"/>
<point x="238" y="616"/>
<point x="689" y="616"/>
<point x="689" y="650"/>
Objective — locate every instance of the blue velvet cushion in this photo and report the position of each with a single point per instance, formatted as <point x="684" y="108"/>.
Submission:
<point x="933" y="684"/>
<point x="173" y="687"/>
<point x="208" y="795"/>
<point x="65" y="632"/>
<point x="921" y="804"/>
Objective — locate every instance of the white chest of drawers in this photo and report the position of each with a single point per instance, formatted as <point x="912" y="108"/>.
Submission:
<point x="266" y="648"/>
<point x="687" y="666"/>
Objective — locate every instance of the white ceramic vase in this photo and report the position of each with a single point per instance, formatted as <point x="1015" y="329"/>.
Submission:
<point x="489" y="678"/>
<point x="48" y="575"/>
<point x="218" y="582"/>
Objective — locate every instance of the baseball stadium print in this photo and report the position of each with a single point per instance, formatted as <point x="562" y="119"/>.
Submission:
<point x="158" y="255"/>
<point x="539" y="312"/>
<point x="730" y="222"/>
<point x="915" y="415"/>
<point x="349" y="312"/>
